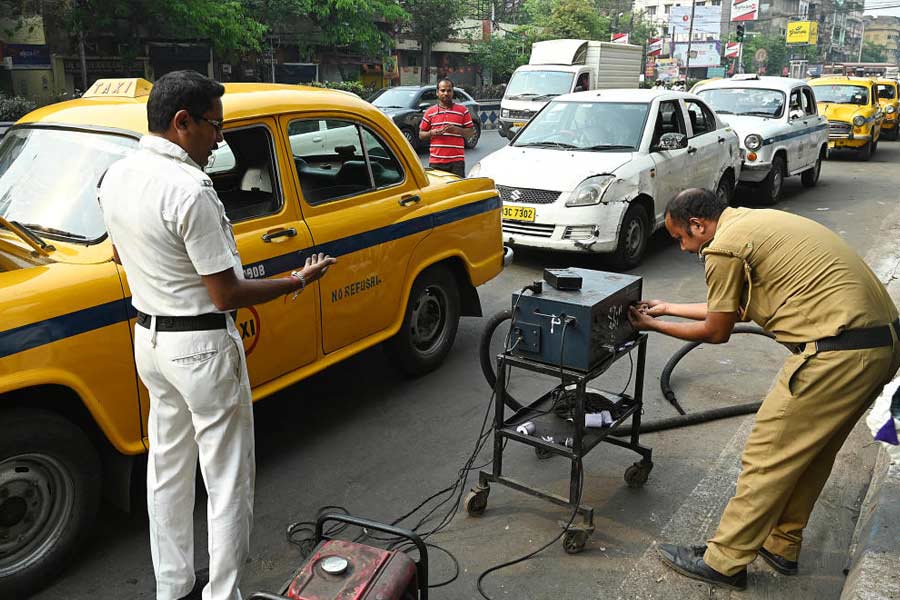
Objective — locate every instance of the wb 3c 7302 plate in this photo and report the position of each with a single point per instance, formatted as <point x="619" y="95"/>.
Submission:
<point x="518" y="213"/>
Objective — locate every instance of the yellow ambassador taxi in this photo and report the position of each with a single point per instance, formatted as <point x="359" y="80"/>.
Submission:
<point x="854" y="115"/>
<point x="889" y="99"/>
<point x="301" y="170"/>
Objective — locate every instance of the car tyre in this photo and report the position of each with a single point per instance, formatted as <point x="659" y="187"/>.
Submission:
<point x="725" y="188"/>
<point x="866" y="152"/>
<point x="411" y="136"/>
<point x="429" y="324"/>
<point x="810" y="177"/>
<point x="633" y="236"/>
<point x="473" y="141"/>
<point x="770" y="190"/>
<point x="49" y="493"/>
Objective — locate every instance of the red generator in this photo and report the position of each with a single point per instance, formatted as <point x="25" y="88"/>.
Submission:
<point x="342" y="570"/>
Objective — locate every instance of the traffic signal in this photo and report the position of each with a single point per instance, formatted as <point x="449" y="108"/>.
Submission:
<point x="740" y="33"/>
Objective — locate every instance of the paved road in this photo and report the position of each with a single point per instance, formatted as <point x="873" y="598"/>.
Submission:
<point x="362" y="437"/>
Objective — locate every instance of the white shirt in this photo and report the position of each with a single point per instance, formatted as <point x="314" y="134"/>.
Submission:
<point x="169" y="228"/>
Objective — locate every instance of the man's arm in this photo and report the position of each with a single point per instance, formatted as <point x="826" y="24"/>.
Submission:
<point x="229" y="293"/>
<point x="715" y="328"/>
<point x="661" y="308"/>
<point x="467" y="132"/>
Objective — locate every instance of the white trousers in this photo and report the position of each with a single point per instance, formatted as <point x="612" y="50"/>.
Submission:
<point x="200" y="407"/>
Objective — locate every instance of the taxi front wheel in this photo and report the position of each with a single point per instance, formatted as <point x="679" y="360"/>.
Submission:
<point x="49" y="493"/>
<point x="429" y="324"/>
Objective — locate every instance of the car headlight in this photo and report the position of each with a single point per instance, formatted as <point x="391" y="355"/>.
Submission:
<point x="504" y="112"/>
<point x="475" y="171"/>
<point x="890" y="109"/>
<point x="859" y="121"/>
<point x="753" y="142"/>
<point x="590" y="191"/>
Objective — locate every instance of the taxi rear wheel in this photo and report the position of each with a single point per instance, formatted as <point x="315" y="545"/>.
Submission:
<point x="810" y="177"/>
<point x="430" y="323"/>
<point x="49" y="493"/>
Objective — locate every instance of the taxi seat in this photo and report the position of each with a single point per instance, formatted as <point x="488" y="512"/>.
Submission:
<point x="254" y="196"/>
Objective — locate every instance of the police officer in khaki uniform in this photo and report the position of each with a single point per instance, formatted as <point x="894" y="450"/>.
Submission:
<point x="804" y="284"/>
<point x="171" y="235"/>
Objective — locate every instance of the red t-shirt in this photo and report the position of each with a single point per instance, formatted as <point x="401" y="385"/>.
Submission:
<point x="449" y="147"/>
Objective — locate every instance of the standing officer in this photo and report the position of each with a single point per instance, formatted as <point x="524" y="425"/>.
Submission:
<point x="804" y="284"/>
<point x="169" y="229"/>
<point x="447" y="126"/>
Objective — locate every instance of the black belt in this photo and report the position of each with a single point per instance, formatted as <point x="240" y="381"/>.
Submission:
<point x="197" y="323"/>
<point x="854" y="339"/>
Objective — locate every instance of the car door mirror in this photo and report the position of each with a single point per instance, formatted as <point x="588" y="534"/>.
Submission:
<point x="671" y="141"/>
<point x="424" y="105"/>
<point x="797" y="114"/>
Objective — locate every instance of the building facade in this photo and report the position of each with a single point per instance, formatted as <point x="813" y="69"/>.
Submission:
<point x="884" y="31"/>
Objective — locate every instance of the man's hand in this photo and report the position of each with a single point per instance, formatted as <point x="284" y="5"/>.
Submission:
<point x="316" y="266"/>
<point x="640" y="320"/>
<point x="653" y="308"/>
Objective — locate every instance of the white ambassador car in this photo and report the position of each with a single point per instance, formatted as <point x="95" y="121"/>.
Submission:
<point x="780" y="128"/>
<point x="594" y="171"/>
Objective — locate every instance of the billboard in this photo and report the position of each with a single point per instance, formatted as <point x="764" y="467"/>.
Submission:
<point x="707" y="23"/>
<point x="703" y="54"/>
<point x="802" y="32"/>
<point x="619" y="38"/>
<point x="667" y="69"/>
<point x="744" y="10"/>
<point x="654" y="46"/>
<point x="732" y="49"/>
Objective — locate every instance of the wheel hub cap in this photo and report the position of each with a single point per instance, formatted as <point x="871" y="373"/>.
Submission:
<point x="633" y="237"/>
<point x="427" y="320"/>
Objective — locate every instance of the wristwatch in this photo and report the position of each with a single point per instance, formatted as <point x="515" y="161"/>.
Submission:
<point x="298" y="275"/>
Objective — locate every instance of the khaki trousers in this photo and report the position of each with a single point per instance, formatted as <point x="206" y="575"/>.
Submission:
<point x="814" y="405"/>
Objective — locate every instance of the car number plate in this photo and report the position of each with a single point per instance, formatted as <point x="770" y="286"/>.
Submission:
<point x="518" y="213"/>
<point x="518" y="123"/>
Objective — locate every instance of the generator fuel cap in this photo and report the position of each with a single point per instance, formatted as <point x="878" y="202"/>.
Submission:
<point x="334" y="565"/>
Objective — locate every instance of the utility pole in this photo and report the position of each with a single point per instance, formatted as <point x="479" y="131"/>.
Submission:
<point x="687" y="68"/>
<point x="862" y="38"/>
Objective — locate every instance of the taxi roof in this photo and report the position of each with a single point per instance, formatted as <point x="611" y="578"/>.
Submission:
<point x="784" y="84"/>
<point x="241" y="101"/>
<point x="623" y="95"/>
<point x="837" y="79"/>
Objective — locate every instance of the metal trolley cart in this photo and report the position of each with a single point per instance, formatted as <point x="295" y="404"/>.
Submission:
<point x="570" y="438"/>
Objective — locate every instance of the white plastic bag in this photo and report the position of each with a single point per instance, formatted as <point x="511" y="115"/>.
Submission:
<point x="880" y="416"/>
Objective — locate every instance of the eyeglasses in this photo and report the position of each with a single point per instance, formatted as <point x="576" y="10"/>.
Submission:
<point x="215" y="123"/>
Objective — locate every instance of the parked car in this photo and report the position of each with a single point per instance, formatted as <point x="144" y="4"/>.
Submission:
<point x="412" y="247"/>
<point x="889" y="99"/>
<point x="854" y="115"/>
<point x="594" y="171"/>
<point x="406" y="104"/>
<point x="779" y="127"/>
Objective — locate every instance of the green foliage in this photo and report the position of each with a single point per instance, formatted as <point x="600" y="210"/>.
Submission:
<point x="433" y="20"/>
<point x="777" y="53"/>
<point x="872" y="52"/>
<point x="355" y="87"/>
<point x="14" y="108"/>
<point x="501" y="54"/>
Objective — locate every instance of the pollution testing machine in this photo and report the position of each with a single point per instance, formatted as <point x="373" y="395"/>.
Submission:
<point x="574" y="326"/>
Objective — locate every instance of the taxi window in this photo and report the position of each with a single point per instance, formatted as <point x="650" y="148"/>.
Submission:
<point x="669" y="120"/>
<point x="886" y="92"/>
<point x="809" y="102"/>
<point x="333" y="163"/>
<point x="702" y="120"/>
<point x="243" y="172"/>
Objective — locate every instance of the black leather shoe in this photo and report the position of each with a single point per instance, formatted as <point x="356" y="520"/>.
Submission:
<point x="196" y="593"/>
<point x="689" y="562"/>
<point x="780" y="563"/>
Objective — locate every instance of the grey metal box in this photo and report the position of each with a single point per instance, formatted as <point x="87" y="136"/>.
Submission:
<point x="597" y="317"/>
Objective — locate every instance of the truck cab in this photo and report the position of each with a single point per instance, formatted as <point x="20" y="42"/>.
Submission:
<point x="558" y="67"/>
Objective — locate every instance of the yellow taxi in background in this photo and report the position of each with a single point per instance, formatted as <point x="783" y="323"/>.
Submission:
<point x="301" y="170"/>
<point x="889" y="99"/>
<point x="854" y="115"/>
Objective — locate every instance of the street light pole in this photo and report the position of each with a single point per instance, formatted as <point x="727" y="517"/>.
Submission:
<point x="862" y="37"/>
<point x="687" y="68"/>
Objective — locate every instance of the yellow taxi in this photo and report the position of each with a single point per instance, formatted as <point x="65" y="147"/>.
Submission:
<point x="889" y="99"/>
<point x="301" y="170"/>
<point x="854" y="115"/>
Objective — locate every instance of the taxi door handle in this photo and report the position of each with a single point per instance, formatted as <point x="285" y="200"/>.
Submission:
<point x="692" y="150"/>
<point x="289" y="232"/>
<point x="317" y="139"/>
<point x="721" y="140"/>
<point x="409" y="199"/>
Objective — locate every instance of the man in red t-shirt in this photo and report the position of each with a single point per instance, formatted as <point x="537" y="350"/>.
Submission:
<point x="447" y="126"/>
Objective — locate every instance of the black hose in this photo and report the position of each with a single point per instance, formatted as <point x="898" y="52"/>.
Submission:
<point x="682" y="420"/>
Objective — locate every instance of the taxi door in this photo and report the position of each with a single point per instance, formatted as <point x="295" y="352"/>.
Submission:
<point x="362" y="206"/>
<point x="705" y="145"/>
<point x="670" y="171"/>
<point x="253" y="184"/>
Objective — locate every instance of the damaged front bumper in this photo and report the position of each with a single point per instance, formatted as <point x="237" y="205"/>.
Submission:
<point x="588" y="229"/>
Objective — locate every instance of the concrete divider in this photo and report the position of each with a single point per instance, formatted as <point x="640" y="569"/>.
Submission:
<point x="489" y="113"/>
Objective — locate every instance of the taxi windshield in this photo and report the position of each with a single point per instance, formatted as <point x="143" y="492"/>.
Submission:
<point x="842" y="94"/>
<point x="754" y="102"/>
<point x="48" y="179"/>
<point x="593" y="126"/>
<point x="887" y="91"/>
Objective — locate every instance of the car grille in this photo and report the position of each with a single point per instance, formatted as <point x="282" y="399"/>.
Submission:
<point x="838" y="128"/>
<point x="526" y="195"/>
<point x="520" y="114"/>
<point x="535" y="229"/>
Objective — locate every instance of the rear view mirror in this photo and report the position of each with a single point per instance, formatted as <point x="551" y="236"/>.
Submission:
<point x="672" y="141"/>
<point x="797" y="114"/>
<point x="424" y="105"/>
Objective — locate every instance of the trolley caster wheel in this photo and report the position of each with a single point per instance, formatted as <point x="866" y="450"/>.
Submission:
<point x="542" y="453"/>
<point x="574" y="541"/>
<point x="637" y="474"/>
<point x="475" y="502"/>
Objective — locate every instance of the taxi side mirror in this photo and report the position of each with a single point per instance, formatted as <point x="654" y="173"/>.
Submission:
<point x="797" y="114"/>
<point x="671" y="141"/>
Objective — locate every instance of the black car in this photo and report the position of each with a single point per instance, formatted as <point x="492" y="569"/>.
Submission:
<point x="406" y="104"/>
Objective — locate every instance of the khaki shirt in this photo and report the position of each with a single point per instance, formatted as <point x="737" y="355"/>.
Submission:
<point x="792" y="276"/>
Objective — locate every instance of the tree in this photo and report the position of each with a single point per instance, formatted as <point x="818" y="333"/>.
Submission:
<point x="501" y="54"/>
<point x="872" y="52"/>
<point x="776" y="53"/>
<point x="432" y="21"/>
